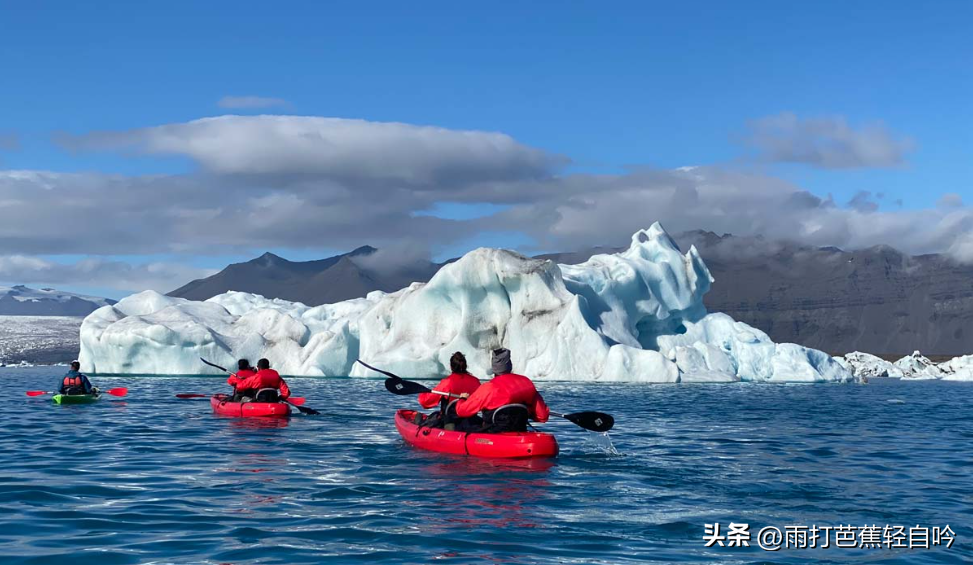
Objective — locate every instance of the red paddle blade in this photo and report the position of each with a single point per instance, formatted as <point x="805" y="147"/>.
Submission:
<point x="120" y="391"/>
<point x="36" y="392"/>
<point x="190" y="395"/>
<point x="296" y="400"/>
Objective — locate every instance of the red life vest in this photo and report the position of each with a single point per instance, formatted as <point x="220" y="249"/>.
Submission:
<point x="72" y="385"/>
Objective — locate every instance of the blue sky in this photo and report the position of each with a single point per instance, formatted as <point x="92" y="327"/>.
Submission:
<point x="612" y="87"/>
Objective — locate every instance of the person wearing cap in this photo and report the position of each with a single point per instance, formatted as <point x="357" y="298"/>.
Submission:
<point x="505" y="390"/>
<point x="73" y="382"/>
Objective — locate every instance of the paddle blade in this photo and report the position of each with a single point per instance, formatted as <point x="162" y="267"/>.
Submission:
<point x="403" y="387"/>
<point x="296" y="400"/>
<point x="191" y="395"/>
<point x="594" y="421"/>
<point x="120" y="391"/>
<point x="37" y="392"/>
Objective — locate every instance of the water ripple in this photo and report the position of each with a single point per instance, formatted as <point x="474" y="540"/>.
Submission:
<point x="154" y="479"/>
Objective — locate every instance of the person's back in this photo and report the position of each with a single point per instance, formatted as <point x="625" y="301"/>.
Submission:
<point x="73" y="382"/>
<point x="264" y="378"/>
<point x="244" y="372"/>
<point x="504" y="389"/>
<point x="459" y="382"/>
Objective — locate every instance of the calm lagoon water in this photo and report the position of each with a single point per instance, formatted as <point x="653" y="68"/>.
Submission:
<point x="154" y="479"/>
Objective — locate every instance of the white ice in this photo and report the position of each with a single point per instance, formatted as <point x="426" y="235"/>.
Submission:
<point x="867" y="365"/>
<point x="911" y="367"/>
<point x="633" y="316"/>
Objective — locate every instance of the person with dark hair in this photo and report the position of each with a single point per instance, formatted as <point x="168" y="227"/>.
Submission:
<point x="263" y="386"/>
<point x="74" y="382"/>
<point x="507" y="401"/>
<point x="244" y="372"/>
<point x="458" y="382"/>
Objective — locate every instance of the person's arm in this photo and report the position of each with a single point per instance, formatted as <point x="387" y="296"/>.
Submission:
<point x="250" y="382"/>
<point x="285" y="392"/>
<point x="540" y="410"/>
<point x="233" y="380"/>
<point x="430" y="399"/>
<point x="86" y="384"/>
<point x="475" y="402"/>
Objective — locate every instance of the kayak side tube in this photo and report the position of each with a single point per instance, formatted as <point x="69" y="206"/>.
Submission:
<point x="517" y="445"/>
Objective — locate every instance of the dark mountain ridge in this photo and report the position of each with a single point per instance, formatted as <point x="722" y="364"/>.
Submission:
<point x="877" y="299"/>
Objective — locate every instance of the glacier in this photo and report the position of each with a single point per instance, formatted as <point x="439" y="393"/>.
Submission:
<point x="634" y="316"/>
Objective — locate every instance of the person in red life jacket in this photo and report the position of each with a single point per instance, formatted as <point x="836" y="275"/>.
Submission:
<point x="264" y="386"/>
<point x="74" y="382"/>
<point x="244" y="372"/>
<point x="507" y="401"/>
<point x="457" y="383"/>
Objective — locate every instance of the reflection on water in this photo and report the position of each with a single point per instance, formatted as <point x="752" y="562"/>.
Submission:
<point x="154" y="479"/>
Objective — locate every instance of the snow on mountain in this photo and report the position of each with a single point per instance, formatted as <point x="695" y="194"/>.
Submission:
<point x="632" y="316"/>
<point x="20" y="300"/>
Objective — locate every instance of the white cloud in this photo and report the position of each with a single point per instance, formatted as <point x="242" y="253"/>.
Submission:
<point x="99" y="272"/>
<point x="245" y="102"/>
<point x="272" y="182"/>
<point x="354" y="152"/>
<point x="828" y="143"/>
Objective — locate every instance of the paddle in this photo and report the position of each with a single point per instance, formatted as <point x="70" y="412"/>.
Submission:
<point x="120" y="391"/>
<point x="594" y="421"/>
<point x="295" y="402"/>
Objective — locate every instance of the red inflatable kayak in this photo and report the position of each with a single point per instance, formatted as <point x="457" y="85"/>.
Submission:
<point x="506" y="445"/>
<point x="223" y="407"/>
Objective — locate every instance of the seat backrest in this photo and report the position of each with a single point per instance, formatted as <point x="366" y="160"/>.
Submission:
<point x="449" y="414"/>
<point x="511" y="410"/>
<point x="266" y="395"/>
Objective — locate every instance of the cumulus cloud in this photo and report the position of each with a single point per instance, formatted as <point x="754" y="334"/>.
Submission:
<point x="828" y="143"/>
<point x="244" y="102"/>
<point x="354" y="152"/>
<point x="119" y="275"/>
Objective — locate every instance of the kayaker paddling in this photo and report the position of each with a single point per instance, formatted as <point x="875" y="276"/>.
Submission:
<point x="244" y="372"/>
<point x="74" y="383"/>
<point x="507" y="401"/>
<point x="460" y="381"/>
<point x="266" y="385"/>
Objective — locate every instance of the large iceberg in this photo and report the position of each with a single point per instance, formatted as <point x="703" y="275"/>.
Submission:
<point x="633" y="316"/>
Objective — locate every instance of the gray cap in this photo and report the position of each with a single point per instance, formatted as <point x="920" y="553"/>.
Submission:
<point x="500" y="363"/>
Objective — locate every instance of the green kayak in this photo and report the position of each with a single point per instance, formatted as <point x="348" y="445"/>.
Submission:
<point x="75" y="398"/>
